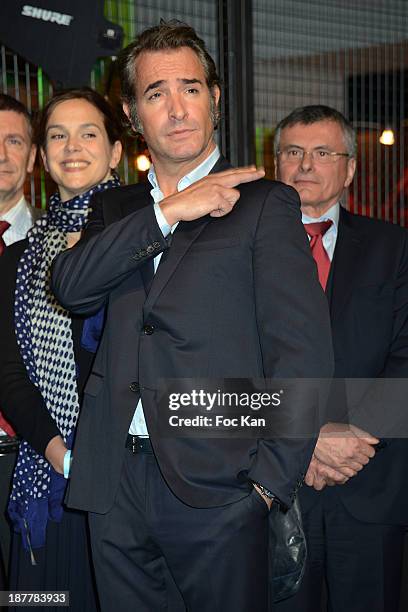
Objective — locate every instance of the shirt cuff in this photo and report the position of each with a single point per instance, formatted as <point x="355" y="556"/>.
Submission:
<point x="161" y="220"/>
<point x="268" y="494"/>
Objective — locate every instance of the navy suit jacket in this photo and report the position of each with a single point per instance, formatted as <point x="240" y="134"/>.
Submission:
<point x="236" y="297"/>
<point x="368" y="297"/>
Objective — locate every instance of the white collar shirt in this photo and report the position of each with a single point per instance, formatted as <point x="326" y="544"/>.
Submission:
<point x="138" y="425"/>
<point x="21" y="220"/>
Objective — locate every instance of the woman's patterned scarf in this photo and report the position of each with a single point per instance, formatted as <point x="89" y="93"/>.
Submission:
<point x="43" y="331"/>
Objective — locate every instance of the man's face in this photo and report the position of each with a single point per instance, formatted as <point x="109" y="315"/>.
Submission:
<point x="319" y="185"/>
<point x="17" y="156"/>
<point x="173" y="104"/>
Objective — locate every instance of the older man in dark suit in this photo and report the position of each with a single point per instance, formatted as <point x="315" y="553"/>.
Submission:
<point x="354" y="528"/>
<point x="235" y="296"/>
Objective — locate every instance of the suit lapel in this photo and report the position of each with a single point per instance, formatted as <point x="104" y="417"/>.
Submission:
<point x="184" y="236"/>
<point x="345" y="262"/>
<point x="147" y="274"/>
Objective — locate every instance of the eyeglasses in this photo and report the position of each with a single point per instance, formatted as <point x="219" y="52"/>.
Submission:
<point x="295" y="155"/>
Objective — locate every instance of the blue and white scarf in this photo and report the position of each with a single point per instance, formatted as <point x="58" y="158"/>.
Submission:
<point x="43" y="331"/>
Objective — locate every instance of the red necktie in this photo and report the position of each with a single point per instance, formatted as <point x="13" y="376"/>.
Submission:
<point x="3" y="227"/>
<point x="316" y="232"/>
<point x="6" y="426"/>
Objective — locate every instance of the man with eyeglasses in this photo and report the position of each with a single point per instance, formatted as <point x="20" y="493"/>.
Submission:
<point x="355" y="503"/>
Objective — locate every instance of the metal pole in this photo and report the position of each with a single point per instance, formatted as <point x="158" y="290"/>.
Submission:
<point x="237" y="130"/>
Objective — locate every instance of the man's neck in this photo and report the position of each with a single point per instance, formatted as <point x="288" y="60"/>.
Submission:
<point x="168" y="175"/>
<point x="7" y="204"/>
<point x="315" y="212"/>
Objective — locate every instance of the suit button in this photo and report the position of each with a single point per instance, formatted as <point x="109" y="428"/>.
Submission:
<point x="148" y="330"/>
<point x="156" y="245"/>
<point x="150" y="249"/>
<point x="134" y="386"/>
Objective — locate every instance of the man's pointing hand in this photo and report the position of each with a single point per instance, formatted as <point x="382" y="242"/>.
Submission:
<point x="213" y="195"/>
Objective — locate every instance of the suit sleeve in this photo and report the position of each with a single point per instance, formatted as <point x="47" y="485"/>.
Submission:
<point x="20" y="401"/>
<point x="396" y="365"/>
<point x="295" y="335"/>
<point x="83" y="277"/>
<point x="381" y="409"/>
<point x="394" y="390"/>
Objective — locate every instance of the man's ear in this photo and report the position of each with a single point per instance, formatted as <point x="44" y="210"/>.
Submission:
<point x="351" y="168"/>
<point x="133" y="119"/>
<point x="31" y="158"/>
<point x="275" y="163"/>
<point x="126" y="110"/>
<point x="216" y="93"/>
<point x="44" y="159"/>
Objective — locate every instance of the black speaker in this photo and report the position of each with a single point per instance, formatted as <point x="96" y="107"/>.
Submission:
<point x="63" y="37"/>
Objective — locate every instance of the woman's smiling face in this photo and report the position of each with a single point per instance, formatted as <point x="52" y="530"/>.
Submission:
<point x="78" y="154"/>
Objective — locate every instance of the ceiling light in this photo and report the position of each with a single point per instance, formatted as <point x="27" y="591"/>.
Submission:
<point x="387" y="137"/>
<point x="142" y="163"/>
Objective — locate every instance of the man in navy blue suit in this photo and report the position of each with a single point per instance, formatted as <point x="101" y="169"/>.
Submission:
<point x="354" y="527"/>
<point x="221" y="300"/>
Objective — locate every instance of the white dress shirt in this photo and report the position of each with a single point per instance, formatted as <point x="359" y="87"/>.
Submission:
<point x="21" y="220"/>
<point x="330" y="237"/>
<point x="138" y="425"/>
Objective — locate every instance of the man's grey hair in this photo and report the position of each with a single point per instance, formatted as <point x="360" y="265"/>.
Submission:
<point x="307" y="115"/>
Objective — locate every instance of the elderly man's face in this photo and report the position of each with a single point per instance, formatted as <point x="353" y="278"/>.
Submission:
<point x="319" y="185"/>
<point x="17" y="156"/>
<point x="173" y="104"/>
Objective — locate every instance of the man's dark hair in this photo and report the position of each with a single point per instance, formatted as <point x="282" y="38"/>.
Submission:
<point x="307" y="115"/>
<point x="8" y="103"/>
<point x="168" y="35"/>
<point x="111" y="121"/>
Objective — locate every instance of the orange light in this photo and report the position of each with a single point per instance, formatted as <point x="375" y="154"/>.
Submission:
<point x="142" y="163"/>
<point x="387" y="138"/>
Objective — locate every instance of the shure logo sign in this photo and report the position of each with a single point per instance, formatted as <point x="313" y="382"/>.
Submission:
<point x="45" y="15"/>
